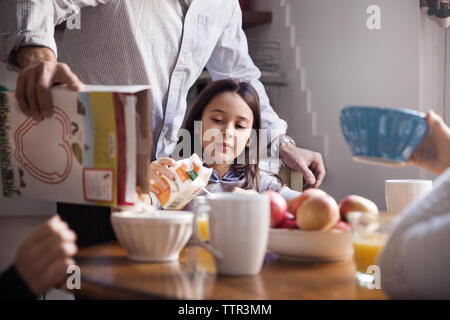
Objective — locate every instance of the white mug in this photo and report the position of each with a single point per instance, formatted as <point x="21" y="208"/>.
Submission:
<point x="401" y="193"/>
<point x="238" y="232"/>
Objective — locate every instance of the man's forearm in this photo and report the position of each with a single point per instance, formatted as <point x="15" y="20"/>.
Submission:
<point x="30" y="55"/>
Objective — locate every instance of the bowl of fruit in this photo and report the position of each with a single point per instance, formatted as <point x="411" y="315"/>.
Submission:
<point x="313" y="226"/>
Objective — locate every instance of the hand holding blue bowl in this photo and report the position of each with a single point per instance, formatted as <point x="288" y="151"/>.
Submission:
<point x="433" y="153"/>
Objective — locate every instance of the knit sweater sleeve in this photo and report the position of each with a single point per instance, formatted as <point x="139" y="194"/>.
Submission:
<point x="270" y="182"/>
<point x="415" y="261"/>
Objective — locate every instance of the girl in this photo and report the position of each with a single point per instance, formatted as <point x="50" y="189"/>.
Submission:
<point x="229" y="115"/>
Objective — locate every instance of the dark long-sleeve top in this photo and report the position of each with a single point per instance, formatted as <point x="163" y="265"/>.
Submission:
<point x="13" y="287"/>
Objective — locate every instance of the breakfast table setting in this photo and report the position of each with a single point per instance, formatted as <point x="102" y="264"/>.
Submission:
<point x="260" y="246"/>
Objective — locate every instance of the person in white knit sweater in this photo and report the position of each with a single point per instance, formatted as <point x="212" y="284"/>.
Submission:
<point x="415" y="263"/>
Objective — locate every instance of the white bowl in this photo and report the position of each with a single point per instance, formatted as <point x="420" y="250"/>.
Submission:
<point x="153" y="236"/>
<point x="334" y="245"/>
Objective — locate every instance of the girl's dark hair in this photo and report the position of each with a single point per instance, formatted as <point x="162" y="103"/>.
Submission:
<point x="250" y="96"/>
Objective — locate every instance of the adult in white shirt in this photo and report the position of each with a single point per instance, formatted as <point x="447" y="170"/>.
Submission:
<point x="164" y="44"/>
<point x="415" y="262"/>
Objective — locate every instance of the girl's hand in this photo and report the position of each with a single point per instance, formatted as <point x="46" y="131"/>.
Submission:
<point x="157" y="170"/>
<point x="44" y="256"/>
<point x="143" y="197"/>
<point x="243" y="191"/>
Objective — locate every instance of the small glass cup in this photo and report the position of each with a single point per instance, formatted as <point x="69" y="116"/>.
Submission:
<point x="202" y="221"/>
<point x="203" y="226"/>
<point x="369" y="235"/>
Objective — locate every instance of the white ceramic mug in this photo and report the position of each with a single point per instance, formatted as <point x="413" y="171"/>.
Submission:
<point x="238" y="231"/>
<point x="401" y="193"/>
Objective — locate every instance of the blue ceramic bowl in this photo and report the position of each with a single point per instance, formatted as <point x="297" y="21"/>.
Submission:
<point x="382" y="135"/>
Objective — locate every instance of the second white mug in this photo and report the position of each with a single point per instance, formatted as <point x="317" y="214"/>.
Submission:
<point x="401" y="193"/>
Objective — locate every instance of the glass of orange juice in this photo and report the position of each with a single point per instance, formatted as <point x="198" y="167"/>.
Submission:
<point x="203" y="226"/>
<point x="202" y="220"/>
<point x="369" y="235"/>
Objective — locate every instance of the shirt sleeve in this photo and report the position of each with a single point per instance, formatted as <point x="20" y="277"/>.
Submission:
<point x="33" y="23"/>
<point x="415" y="261"/>
<point x="12" y="286"/>
<point x="230" y="59"/>
<point x="27" y="23"/>
<point x="270" y="183"/>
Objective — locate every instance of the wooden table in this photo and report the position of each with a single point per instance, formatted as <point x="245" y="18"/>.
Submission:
<point x="107" y="273"/>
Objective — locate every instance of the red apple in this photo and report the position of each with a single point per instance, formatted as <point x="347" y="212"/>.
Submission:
<point x="341" y="225"/>
<point x="353" y="203"/>
<point x="288" y="222"/>
<point x="318" y="213"/>
<point x="295" y="203"/>
<point x="288" y="215"/>
<point x="278" y="207"/>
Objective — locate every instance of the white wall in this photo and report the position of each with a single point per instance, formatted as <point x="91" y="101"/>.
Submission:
<point x="331" y="57"/>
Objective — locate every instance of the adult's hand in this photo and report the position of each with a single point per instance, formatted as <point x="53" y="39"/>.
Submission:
<point x="44" y="256"/>
<point x="309" y="163"/>
<point x="40" y="71"/>
<point x="433" y="152"/>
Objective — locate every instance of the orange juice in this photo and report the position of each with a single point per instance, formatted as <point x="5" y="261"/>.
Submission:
<point x="205" y="262"/>
<point x="203" y="227"/>
<point x="366" y="250"/>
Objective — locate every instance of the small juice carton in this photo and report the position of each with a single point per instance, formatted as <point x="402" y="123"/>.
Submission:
<point x="190" y="177"/>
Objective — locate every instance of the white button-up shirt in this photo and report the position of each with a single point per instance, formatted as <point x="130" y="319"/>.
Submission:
<point x="118" y="45"/>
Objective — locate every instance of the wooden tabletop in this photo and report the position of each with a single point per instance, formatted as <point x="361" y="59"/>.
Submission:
<point x="107" y="273"/>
